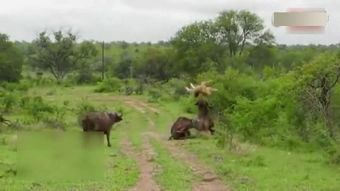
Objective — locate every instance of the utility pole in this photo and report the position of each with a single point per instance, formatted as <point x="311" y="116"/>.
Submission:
<point x="103" y="61"/>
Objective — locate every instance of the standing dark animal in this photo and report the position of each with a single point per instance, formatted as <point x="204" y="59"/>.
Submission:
<point x="205" y="122"/>
<point x="100" y="121"/>
<point x="180" y="129"/>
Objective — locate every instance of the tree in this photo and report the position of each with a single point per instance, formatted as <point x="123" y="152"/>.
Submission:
<point x="156" y="64"/>
<point x="124" y="68"/>
<point x="195" y="45"/>
<point x="11" y="60"/>
<point x="62" y="54"/>
<point x="237" y="28"/>
<point x="201" y="46"/>
<point x="318" y="80"/>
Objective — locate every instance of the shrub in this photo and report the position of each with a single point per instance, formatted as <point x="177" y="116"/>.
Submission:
<point x="109" y="85"/>
<point x="11" y="60"/>
<point x="7" y="101"/>
<point x="85" y="106"/>
<point x="81" y="77"/>
<point x="188" y="104"/>
<point x="36" y="107"/>
<point x="22" y="86"/>
<point x="155" y="94"/>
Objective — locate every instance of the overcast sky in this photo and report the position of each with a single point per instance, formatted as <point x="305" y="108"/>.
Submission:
<point x="148" y="20"/>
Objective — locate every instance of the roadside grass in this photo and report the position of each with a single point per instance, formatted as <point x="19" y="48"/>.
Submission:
<point x="121" y="172"/>
<point x="172" y="174"/>
<point x="267" y="168"/>
<point x="262" y="169"/>
<point x="257" y="167"/>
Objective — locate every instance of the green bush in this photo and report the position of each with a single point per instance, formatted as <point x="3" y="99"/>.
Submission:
<point x="81" y="77"/>
<point x="109" y="85"/>
<point x="7" y="101"/>
<point x="22" y="86"/>
<point x="188" y="104"/>
<point x="155" y="93"/>
<point x="11" y="60"/>
<point x="85" y="107"/>
<point x="36" y="107"/>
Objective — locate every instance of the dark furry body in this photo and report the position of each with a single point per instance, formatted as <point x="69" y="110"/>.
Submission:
<point x="100" y="121"/>
<point x="180" y="129"/>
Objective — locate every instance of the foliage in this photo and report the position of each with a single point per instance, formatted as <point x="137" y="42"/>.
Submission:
<point x="62" y="54"/>
<point x="109" y="85"/>
<point x="11" y="60"/>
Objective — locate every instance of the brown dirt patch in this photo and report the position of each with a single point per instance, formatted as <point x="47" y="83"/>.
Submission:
<point x="146" y="166"/>
<point x="209" y="180"/>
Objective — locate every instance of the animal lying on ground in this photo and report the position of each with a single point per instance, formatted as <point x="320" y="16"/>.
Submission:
<point x="100" y="121"/>
<point x="180" y="129"/>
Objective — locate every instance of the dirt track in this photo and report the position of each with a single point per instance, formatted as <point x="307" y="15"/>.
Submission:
<point x="209" y="181"/>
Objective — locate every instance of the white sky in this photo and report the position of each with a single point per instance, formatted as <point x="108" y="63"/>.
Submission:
<point x="148" y="20"/>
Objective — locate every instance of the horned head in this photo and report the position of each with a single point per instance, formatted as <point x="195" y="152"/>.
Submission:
<point x="201" y="89"/>
<point x="116" y="116"/>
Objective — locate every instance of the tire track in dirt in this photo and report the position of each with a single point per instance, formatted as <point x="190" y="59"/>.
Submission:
<point x="209" y="180"/>
<point x="144" y="159"/>
<point x="140" y="105"/>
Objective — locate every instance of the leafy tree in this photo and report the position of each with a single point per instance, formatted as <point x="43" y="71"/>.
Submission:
<point x="237" y="28"/>
<point x="156" y="64"/>
<point x="124" y="68"/>
<point x="318" y="80"/>
<point x="11" y="60"/>
<point x="201" y="46"/>
<point x="195" y="45"/>
<point x="62" y="54"/>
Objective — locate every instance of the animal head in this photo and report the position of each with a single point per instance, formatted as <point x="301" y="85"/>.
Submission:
<point x="116" y="117"/>
<point x="201" y="89"/>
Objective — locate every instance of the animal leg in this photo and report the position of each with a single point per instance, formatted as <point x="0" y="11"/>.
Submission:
<point x="108" y="138"/>
<point x="187" y="133"/>
<point x="212" y="131"/>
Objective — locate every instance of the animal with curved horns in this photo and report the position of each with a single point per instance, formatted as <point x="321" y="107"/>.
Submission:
<point x="100" y="121"/>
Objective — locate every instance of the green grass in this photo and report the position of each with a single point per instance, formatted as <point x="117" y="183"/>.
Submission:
<point x="262" y="169"/>
<point x="122" y="172"/>
<point x="173" y="174"/>
<point x="268" y="168"/>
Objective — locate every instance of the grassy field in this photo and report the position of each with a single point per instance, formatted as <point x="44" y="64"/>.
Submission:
<point x="251" y="167"/>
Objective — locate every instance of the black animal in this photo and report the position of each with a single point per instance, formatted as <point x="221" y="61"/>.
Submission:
<point x="100" y="121"/>
<point x="205" y="123"/>
<point x="180" y="129"/>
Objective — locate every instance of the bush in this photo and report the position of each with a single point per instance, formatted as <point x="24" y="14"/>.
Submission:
<point x="36" y="107"/>
<point x="155" y="93"/>
<point x="22" y="86"/>
<point x="11" y="60"/>
<point x="44" y="81"/>
<point x="188" y="104"/>
<point x="109" y="85"/>
<point x="85" y="107"/>
<point x="7" y="101"/>
<point x="81" y="77"/>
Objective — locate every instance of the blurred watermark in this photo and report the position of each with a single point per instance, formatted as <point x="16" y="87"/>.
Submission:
<point x="60" y="156"/>
<point x="302" y="20"/>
